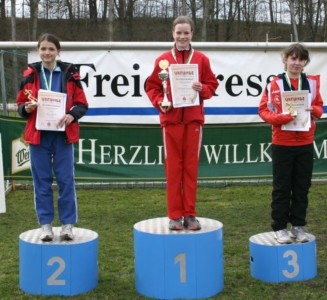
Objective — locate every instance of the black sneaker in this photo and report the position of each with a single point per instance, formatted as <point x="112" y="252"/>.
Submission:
<point x="176" y="224"/>
<point x="192" y="223"/>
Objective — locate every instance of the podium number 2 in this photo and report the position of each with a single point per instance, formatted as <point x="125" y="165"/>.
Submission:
<point x="181" y="259"/>
<point x="53" y="279"/>
<point x="292" y="262"/>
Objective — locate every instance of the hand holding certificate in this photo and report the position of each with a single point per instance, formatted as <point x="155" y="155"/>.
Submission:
<point x="51" y="108"/>
<point x="296" y="103"/>
<point x="182" y="77"/>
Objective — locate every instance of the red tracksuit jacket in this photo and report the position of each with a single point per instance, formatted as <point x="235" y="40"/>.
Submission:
<point x="270" y="110"/>
<point x="206" y="77"/>
<point x="76" y="104"/>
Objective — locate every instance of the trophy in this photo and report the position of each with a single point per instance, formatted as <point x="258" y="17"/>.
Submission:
<point x="163" y="75"/>
<point x="291" y="109"/>
<point x="33" y="100"/>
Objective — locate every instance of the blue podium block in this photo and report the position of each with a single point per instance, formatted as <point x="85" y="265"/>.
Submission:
<point x="274" y="262"/>
<point x="178" y="264"/>
<point x="59" y="267"/>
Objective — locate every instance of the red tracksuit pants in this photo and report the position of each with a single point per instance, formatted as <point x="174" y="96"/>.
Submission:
<point x="182" y="144"/>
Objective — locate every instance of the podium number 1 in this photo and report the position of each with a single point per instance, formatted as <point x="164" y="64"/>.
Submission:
<point x="181" y="259"/>
<point x="53" y="279"/>
<point x="292" y="262"/>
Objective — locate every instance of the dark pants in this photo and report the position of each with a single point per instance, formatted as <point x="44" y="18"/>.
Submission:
<point x="292" y="173"/>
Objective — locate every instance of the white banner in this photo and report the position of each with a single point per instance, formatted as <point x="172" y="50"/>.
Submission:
<point x="114" y="83"/>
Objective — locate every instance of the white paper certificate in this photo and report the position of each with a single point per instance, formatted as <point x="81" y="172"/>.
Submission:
<point x="51" y="108"/>
<point x="297" y="101"/>
<point x="181" y="79"/>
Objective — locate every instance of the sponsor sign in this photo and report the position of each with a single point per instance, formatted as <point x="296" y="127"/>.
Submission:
<point x="114" y="83"/>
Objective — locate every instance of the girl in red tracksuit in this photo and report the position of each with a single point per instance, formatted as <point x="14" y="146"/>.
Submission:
<point x="182" y="127"/>
<point x="292" y="151"/>
<point x="52" y="151"/>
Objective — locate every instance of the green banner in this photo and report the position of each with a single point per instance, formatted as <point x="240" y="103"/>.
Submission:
<point x="107" y="152"/>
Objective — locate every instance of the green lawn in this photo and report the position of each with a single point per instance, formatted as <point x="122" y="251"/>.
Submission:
<point x="244" y="211"/>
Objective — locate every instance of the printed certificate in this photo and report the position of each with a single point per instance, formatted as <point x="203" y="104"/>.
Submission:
<point x="181" y="79"/>
<point x="296" y="102"/>
<point x="51" y="108"/>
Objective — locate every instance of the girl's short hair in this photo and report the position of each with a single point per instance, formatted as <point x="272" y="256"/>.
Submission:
<point x="50" y="38"/>
<point x="298" y="50"/>
<point x="183" y="20"/>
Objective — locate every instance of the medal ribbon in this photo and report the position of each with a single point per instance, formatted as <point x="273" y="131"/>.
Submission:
<point x="289" y="82"/>
<point x="47" y="83"/>
<point x="189" y="56"/>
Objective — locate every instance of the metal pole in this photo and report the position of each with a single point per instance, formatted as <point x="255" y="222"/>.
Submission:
<point x="3" y="85"/>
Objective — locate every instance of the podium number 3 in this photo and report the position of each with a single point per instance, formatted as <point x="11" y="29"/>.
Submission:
<point x="53" y="279"/>
<point x="181" y="259"/>
<point x="292" y="262"/>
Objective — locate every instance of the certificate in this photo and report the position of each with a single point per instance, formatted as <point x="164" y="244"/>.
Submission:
<point x="296" y="102"/>
<point x="181" y="79"/>
<point x="51" y="108"/>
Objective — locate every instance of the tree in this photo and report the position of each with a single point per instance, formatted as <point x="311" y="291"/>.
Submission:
<point x="3" y="17"/>
<point x="205" y="20"/>
<point x="293" y="20"/>
<point x="271" y="12"/>
<point x="125" y="9"/>
<point x="70" y="9"/>
<point x="34" y="11"/>
<point x="93" y="10"/>
<point x="249" y="12"/>
<point x="324" y="29"/>
<point x="111" y="20"/>
<point x="208" y="8"/>
<point x="229" y="9"/>
<point x="313" y="10"/>
<point x="13" y="37"/>
<point x="13" y="20"/>
<point x="3" y="9"/>
<point x="184" y="7"/>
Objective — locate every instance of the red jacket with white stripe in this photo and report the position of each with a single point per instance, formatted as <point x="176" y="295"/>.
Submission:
<point x="76" y="102"/>
<point x="185" y="115"/>
<point x="270" y="110"/>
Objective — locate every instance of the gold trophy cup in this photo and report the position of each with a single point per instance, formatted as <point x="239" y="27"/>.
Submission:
<point x="163" y="75"/>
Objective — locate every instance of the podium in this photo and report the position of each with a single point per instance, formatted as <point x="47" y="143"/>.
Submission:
<point x="178" y="264"/>
<point x="58" y="267"/>
<point x="274" y="262"/>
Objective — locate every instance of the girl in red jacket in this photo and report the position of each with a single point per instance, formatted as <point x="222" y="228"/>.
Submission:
<point x="182" y="127"/>
<point x="52" y="151"/>
<point x="292" y="150"/>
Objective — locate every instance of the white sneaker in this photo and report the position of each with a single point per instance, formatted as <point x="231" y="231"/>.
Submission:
<point x="283" y="237"/>
<point x="46" y="233"/>
<point x="299" y="234"/>
<point x="66" y="232"/>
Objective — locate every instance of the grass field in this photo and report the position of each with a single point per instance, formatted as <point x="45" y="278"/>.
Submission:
<point x="243" y="210"/>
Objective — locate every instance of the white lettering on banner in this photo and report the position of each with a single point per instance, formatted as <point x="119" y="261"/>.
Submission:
<point x="323" y="150"/>
<point x="142" y="155"/>
<point x="263" y="151"/>
<point x="118" y="81"/>
<point x="229" y="154"/>
<point x="114" y="83"/>
<point x="20" y="159"/>
<point x="118" y="155"/>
